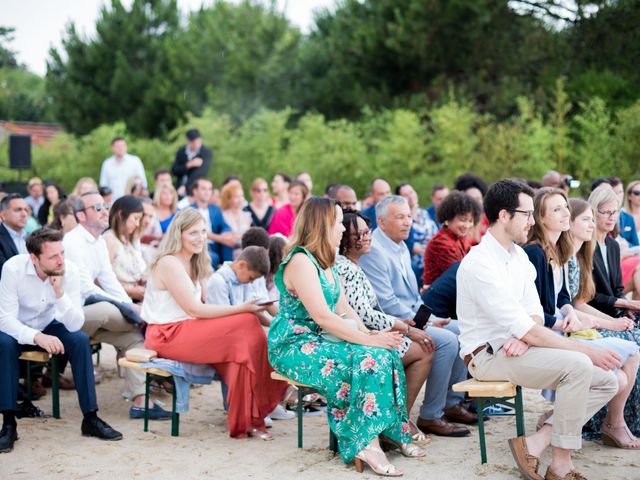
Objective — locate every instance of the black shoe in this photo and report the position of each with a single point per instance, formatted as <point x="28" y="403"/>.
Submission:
<point x="8" y="435"/>
<point x="95" y="427"/>
<point x="26" y="409"/>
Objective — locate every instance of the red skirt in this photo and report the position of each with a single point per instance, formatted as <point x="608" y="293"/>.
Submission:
<point x="236" y="346"/>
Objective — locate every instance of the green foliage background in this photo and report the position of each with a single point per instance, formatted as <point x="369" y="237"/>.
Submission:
<point x="400" y="145"/>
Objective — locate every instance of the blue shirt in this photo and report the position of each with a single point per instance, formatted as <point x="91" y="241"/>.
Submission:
<point x="223" y="288"/>
<point x="388" y="268"/>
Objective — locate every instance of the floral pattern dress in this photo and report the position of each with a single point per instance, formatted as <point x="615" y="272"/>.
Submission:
<point x="364" y="386"/>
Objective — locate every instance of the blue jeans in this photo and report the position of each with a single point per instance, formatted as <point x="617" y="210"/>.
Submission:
<point x="76" y="348"/>
<point x="447" y="369"/>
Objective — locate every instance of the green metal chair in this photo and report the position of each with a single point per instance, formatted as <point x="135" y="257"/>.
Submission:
<point x="493" y="393"/>
<point x="302" y="391"/>
<point x="36" y="358"/>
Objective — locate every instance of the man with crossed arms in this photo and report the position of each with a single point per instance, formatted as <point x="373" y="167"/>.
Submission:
<point x="502" y="336"/>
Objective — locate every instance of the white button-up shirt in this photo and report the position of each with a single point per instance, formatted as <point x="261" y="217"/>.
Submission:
<point x="28" y="304"/>
<point x="496" y="295"/>
<point x="116" y="173"/>
<point x="92" y="257"/>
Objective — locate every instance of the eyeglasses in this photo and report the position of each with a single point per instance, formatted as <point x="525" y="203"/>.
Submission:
<point x="635" y="192"/>
<point x="361" y="233"/>
<point x="609" y="213"/>
<point x="97" y="207"/>
<point x="528" y="213"/>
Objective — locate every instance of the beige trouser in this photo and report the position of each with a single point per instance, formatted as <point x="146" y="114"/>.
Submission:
<point x="103" y="322"/>
<point x="581" y="388"/>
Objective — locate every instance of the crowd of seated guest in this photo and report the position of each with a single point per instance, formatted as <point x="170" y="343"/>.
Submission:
<point x="192" y="270"/>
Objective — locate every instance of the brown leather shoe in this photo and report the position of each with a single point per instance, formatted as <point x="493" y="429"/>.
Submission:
<point x="442" y="428"/>
<point x="37" y="390"/>
<point x="460" y="414"/>
<point x="572" y="475"/>
<point x="527" y="463"/>
<point x="63" y="382"/>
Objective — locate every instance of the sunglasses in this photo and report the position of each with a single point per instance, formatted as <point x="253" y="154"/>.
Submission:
<point x="97" y="207"/>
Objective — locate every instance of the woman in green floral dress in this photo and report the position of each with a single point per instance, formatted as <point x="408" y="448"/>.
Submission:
<point x="318" y="340"/>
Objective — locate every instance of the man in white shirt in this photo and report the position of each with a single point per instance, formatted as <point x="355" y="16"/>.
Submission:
<point x="119" y="168"/>
<point x="41" y="305"/>
<point x="502" y="335"/>
<point x="104" y="322"/>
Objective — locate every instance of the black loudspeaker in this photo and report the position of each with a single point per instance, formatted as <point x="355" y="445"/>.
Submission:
<point x="20" y="151"/>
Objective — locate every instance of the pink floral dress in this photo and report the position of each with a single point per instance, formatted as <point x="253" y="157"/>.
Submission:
<point x="364" y="386"/>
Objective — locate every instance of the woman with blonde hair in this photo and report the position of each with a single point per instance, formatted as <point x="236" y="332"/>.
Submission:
<point x="165" y="201"/>
<point x="317" y="339"/>
<point x="84" y="185"/>
<point x="123" y="245"/>
<point x="232" y="202"/>
<point x="229" y="338"/>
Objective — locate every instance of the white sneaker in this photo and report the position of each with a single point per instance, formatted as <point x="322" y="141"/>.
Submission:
<point x="268" y="422"/>
<point x="280" y="413"/>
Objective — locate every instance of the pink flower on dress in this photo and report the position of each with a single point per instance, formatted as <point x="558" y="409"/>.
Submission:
<point x="338" y="414"/>
<point x="344" y="391"/>
<point x="293" y="293"/>
<point x="327" y="368"/>
<point x="368" y="363"/>
<point x="308" y="348"/>
<point x="396" y="378"/>
<point x="406" y="428"/>
<point x="370" y="404"/>
<point x="298" y="329"/>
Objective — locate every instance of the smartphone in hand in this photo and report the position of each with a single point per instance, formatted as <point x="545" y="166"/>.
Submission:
<point x="422" y="317"/>
<point x="266" y="303"/>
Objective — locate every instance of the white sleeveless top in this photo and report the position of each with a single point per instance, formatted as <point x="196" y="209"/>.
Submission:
<point x="160" y="307"/>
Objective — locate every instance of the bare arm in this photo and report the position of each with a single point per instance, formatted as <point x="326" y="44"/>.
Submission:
<point x="228" y="239"/>
<point x="301" y="276"/>
<point x="601" y="320"/>
<point x="169" y="274"/>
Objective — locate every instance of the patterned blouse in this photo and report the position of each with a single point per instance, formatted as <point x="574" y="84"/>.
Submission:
<point x="573" y="285"/>
<point x="443" y="250"/>
<point x="362" y="298"/>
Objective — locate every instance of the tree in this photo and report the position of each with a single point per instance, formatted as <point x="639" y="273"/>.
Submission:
<point x="124" y="73"/>
<point x="7" y="57"/>
<point x="237" y="58"/>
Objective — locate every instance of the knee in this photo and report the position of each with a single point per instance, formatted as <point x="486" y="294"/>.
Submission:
<point x="79" y="340"/>
<point x="8" y="346"/>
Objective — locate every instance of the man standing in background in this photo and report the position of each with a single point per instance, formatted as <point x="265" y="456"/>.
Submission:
<point x="119" y="168"/>
<point x="192" y="161"/>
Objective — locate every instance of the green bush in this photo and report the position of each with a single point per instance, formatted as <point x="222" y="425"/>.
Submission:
<point x="400" y="145"/>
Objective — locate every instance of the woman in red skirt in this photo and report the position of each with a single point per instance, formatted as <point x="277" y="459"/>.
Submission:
<point x="229" y="338"/>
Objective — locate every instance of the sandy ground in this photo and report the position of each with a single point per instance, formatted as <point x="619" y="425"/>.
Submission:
<point x="54" y="449"/>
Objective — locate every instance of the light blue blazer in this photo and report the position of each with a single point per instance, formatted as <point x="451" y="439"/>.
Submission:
<point x="388" y="268"/>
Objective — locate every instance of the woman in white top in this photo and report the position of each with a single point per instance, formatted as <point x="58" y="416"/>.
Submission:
<point x="229" y="338"/>
<point x="122" y="241"/>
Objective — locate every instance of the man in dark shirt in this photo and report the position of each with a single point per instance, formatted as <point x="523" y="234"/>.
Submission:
<point x="192" y="161"/>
